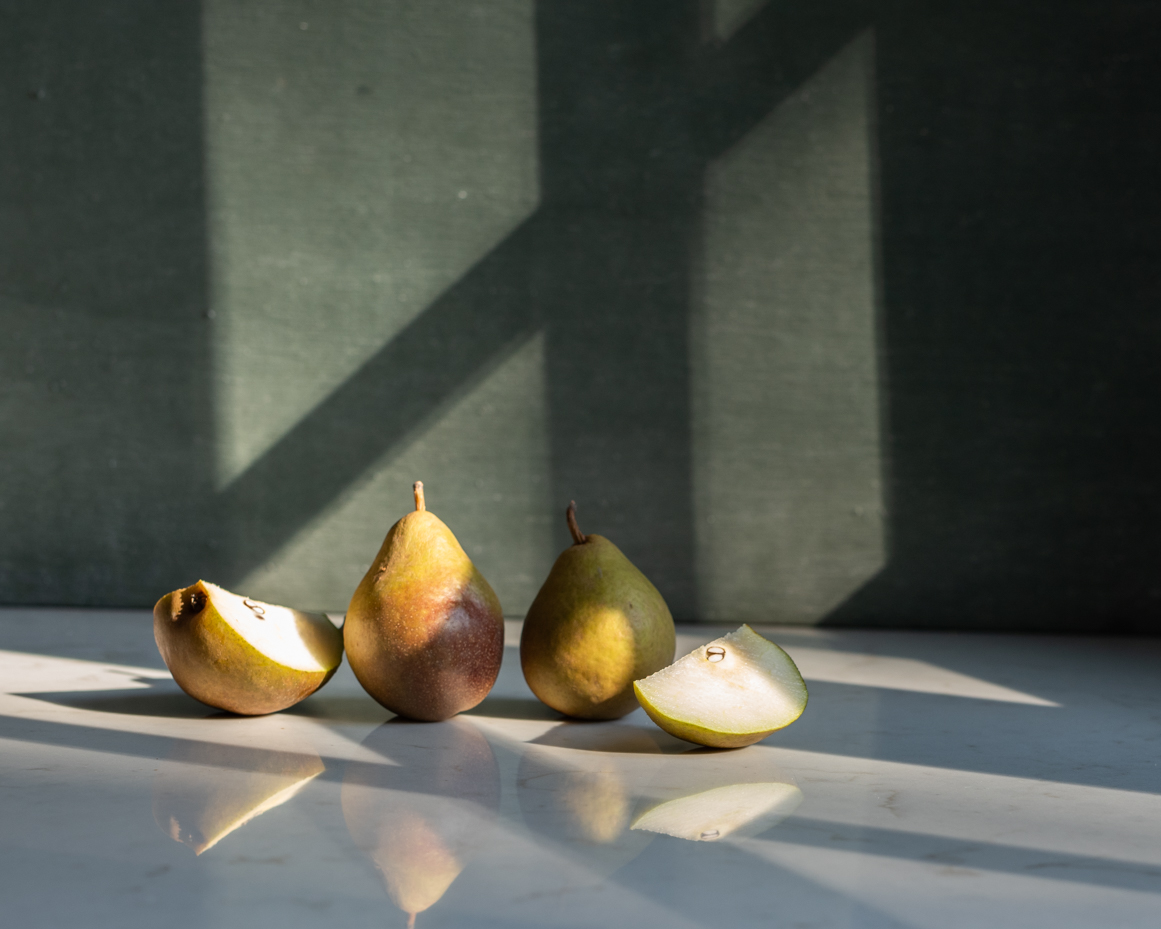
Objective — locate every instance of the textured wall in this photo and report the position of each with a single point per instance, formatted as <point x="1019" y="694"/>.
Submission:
<point x="824" y="311"/>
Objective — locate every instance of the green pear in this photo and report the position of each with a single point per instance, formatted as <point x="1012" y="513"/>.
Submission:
<point x="728" y="693"/>
<point x="204" y="791"/>
<point x="424" y="809"/>
<point x="596" y="626"/>
<point x="243" y="655"/>
<point x="424" y="632"/>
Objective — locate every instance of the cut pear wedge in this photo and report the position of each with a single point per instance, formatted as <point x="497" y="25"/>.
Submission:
<point x="244" y="655"/>
<point x="735" y="810"/>
<point x="729" y="693"/>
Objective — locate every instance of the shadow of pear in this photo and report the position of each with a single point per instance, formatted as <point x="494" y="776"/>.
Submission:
<point x="577" y="791"/>
<point x="424" y="811"/>
<point x="203" y="791"/>
<point x="710" y="796"/>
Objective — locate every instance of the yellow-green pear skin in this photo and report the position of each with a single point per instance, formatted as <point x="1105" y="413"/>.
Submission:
<point x="243" y="655"/>
<point x="424" y="632"/>
<point x="596" y="626"/>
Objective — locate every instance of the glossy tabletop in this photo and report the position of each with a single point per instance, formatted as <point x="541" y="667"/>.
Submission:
<point x="935" y="780"/>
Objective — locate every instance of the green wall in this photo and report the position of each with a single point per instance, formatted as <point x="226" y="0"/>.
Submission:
<point x="828" y="312"/>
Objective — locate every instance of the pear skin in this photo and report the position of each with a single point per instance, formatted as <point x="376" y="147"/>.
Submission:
<point x="596" y="626"/>
<point x="424" y="632"/>
<point x="243" y="655"/>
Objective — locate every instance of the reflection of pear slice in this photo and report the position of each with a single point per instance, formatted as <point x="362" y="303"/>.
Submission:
<point x="422" y="815"/>
<point x="205" y="791"/>
<point x="736" y="810"/>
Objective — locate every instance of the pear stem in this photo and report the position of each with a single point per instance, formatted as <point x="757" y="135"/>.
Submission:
<point x="411" y="916"/>
<point x="417" y="489"/>
<point x="570" y="514"/>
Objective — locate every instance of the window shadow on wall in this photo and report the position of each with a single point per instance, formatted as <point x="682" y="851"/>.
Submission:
<point x="1019" y="212"/>
<point x="632" y="105"/>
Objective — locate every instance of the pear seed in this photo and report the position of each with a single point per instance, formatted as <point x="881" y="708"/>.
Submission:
<point x="259" y="611"/>
<point x="712" y="834"/>
<point x="715" y="653"/>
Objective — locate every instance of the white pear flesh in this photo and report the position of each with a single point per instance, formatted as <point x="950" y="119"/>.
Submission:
<point x="243" y="655"/>
<point x="728" y="693"/>
<point x="735" y="810"/>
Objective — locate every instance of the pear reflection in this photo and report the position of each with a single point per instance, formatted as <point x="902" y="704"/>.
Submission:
<point x="424" y="812"/>
<point x="713" y="796"/>
<point x="204" y="791"/>
<point x="736" y="810"/>
<point x="580" y="797"/>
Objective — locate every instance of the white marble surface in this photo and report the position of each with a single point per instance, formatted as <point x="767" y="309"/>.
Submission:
<point x="934" y="781"/>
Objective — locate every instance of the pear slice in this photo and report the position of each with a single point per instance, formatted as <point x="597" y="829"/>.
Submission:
<point x="726" y="694"/>
<point x="244" y="655"/>
<point x="735" y="810"/>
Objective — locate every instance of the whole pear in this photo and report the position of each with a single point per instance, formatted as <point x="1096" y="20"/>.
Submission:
<point x="595" y="626"/>
<point x="424" y="633"/>
<point x="243" y="655"/>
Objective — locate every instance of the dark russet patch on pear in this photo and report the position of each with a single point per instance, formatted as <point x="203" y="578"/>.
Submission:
<point x="450" y="670"/>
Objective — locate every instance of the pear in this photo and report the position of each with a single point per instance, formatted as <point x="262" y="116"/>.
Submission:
<point x="243" y="655"/>
<point x="424" y="632"/>
<point x="204" y="791"/>
<point x="735" y="810"/>
<point x="424" y="809"/>
<point x="729" y="693"/>
<point x="596" y="625"/>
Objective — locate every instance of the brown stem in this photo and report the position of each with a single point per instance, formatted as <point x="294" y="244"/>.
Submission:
<point x="420" y="504"/>
<point x="410" y="921"/>
<point x="570" y="514"/>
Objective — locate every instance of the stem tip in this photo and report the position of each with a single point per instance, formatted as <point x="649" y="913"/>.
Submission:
<point x="570" y="514"/>
<point x="420" y="503"/>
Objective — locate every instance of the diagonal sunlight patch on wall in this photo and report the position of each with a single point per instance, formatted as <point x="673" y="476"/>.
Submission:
<point x="728" y="16"/>
<point x="361" y="156"/>
<point x="788" y="488"/>
<point x="485" y="467"/>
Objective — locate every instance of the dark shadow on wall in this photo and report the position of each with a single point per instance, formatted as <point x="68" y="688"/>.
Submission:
<point x="105" y="405"/>
<point x="1021" y="224"/>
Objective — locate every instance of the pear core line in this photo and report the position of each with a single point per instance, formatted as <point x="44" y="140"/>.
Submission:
<point x="417" y="489"/>
<point x="570" y="514"/>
